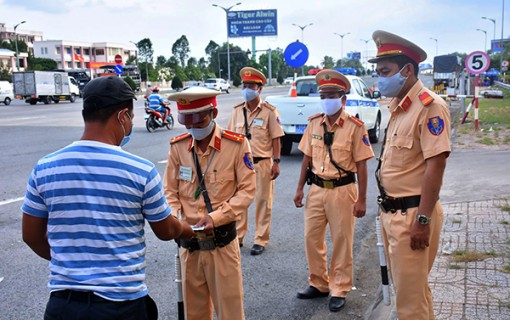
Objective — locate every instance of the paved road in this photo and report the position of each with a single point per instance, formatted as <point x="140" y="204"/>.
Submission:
<point x="270" y="280"/>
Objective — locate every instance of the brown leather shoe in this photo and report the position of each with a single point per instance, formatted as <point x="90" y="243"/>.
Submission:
<point x="311" y="293"/>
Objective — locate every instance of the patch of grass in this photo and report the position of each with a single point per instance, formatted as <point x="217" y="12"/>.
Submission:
<point x="456" y="221"/>
<point x="486" y="141"/>
<point x="505" y="207"/>
<point x="504" y="222"/>
<point x="506" y="269"/>
<point x="459" y="213"/>
<point x="460" y="143"/>
<point x="469" y="256"/>
<point x="495" y="110"/>
<point x="454" y="266"/>
<point x="506" y="140"/>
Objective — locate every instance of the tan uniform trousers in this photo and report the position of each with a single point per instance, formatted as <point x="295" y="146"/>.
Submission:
<point x="333" y="206"/>
<point x="410" y="268"/>
<point x="213" y="278"/>
<point x="263" y="205"/>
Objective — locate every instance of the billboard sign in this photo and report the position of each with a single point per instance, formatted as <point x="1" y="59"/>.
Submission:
<point x="252" y="23"/>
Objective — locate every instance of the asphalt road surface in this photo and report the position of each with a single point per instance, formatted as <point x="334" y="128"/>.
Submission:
<point x="271" y="280"/>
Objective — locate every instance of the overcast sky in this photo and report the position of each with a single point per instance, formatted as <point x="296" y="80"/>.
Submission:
<point x="452" y="22"/>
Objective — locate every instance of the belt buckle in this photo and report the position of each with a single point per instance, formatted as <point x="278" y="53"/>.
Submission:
<point x="206" y="244"/>
<point x="328" y="184"/>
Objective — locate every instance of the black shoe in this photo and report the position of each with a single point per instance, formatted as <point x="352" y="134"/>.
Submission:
<point x="240" y="244"/>
<point x="256" y="250"/>
<point x="311" y="293"/>
<point x="336" y="304"/>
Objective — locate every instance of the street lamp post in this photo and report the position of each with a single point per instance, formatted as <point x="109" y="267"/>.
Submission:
<point x="485" y="43"/>
<point x="16" y="43"/>
<point x="494" y="22"/>
<point x="436" y="43"/>
<point x="302" y="29"/>
<point x="302" y="40"/>
<point x="228" y="40"/>
<point x="342" y="45"/>
<point x="366" y="58"/>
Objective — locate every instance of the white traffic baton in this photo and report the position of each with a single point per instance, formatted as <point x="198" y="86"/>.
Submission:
<point x="178" y="281"/>
<point x="382" y="262"/>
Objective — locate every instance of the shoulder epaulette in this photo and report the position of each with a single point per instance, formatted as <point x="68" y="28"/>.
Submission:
<point x="357" y="121"/>
<point x="269" y="106"/>
<point x="180" y="137"/>
<point x="426" y="99"/>
<point x="234" y="136"/>
<point x="239" y="105"/>
<point x="320" y="114"/>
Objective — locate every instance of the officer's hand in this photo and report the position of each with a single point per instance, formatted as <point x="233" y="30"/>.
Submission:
<point x="298" y="198"/>
<point x="187" y="232"/>
<point x="207" y="222"/>
<point x="275" y="171"/>
<point x="420" y="234"/>
<point x="360" y="209"/>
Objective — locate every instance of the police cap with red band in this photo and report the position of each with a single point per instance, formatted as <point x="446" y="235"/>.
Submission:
<point x="193" y="102"/>
<point x="252" y="75"/>
<point x="332" y="80"/>
<point x="390" y="45"/>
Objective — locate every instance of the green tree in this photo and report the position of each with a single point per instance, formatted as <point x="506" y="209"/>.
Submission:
<point x="146" y="53"/>
<point x="176" y="83"/>
<point x="277" y="62"/>
<point x="131" y="83"/>
<point x="41" y="64"/>
<point x="5" y="73"/>
<point x="180" y="49"/>
<point x="328" y="62"/>
<point x="131" y="60"/>
<point x="160" y="62"/>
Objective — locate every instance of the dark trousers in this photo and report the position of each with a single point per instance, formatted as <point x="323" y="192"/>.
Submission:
<point x="61" y="308"/>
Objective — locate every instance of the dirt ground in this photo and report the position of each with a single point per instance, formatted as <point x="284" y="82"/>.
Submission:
<point x="488" y="137"/>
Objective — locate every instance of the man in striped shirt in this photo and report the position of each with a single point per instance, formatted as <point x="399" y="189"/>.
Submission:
<point x="85" y="210"/>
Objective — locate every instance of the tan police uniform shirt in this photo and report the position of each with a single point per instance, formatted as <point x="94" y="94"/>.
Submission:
<point x="350" y="145"/>
<point x="264" y="125"/>
<point x="419" y="128"/>
<point x="229" y="179"/>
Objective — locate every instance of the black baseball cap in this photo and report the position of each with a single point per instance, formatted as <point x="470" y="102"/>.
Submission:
<point x="103" y="92"/>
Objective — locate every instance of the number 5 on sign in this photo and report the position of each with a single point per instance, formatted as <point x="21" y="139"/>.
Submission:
<point x="477" y="62"/>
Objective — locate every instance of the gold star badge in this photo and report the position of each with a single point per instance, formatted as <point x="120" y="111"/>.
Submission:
<point x="183" y="101"/>
<point x="378" y="42"/>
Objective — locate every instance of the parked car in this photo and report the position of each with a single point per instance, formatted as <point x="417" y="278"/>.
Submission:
<point x="294" y="111"/>
<point x="288" y="80"/>
<point x="217" y="84"/>
<point x="6" y="93"/>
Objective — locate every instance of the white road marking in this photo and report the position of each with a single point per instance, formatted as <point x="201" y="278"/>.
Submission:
<point x="11" y="201"/>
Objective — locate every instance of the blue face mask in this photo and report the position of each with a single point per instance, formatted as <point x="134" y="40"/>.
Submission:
<point x="250" y="94"/>
<point x="127" y="138"/>
<point x="391" y="86"/>
<point x="202" y="133"/>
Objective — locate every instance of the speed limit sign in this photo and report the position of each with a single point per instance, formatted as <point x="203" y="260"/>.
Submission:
<point x="478" y="62"/>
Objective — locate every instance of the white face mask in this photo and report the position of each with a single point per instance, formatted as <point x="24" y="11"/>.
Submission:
<point x="331" y="106"/>
<point x="202" y="133"/>
<point x="250" y="94"/>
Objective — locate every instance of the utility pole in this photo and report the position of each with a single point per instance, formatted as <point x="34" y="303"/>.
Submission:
<point x="342" y="44"/>
<point x="302" y="39"/>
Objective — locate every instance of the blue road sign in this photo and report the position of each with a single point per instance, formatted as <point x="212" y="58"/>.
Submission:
<point x="296" y="54"/>
<point x="118" y="69"/>
<point x="252" y="23"/>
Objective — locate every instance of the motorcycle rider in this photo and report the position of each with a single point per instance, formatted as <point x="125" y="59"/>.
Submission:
<point x="157" y="103"/>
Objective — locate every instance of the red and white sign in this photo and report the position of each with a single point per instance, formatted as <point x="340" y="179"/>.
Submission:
<point x="504" y="63"/>
<point x="118" y="59"/>
<point x="477" y="62"/>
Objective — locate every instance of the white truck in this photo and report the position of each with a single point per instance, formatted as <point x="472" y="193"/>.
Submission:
<point x="294" y="111"/>
<point x="45" y="86"/>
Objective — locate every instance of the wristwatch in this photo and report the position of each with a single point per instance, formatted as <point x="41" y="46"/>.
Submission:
<point x="276" y="160"/>
<point x="423" y="219"/>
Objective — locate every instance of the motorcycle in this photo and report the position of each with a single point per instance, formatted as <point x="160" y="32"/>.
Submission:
<point x="154" y="119"/>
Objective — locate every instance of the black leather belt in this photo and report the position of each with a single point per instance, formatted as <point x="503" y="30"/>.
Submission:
<point x="223" y="235"/>
<point x="333" y="183"/>
<point x="80" y="296"/>
<point x="257" y="159"/>
<point x="389" y="204"/>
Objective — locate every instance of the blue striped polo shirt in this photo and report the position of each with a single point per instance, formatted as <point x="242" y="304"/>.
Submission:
<point x="96" y="198"/>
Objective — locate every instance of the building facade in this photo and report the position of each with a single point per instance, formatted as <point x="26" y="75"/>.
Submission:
<point x="8" y="57"/>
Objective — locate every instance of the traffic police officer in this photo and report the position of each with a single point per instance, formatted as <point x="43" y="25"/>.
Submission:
<point x="336" y="147"/>
<point x="410" y="173"/>
<point x="259" y="121"/>
<point x="210" y="180"/>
